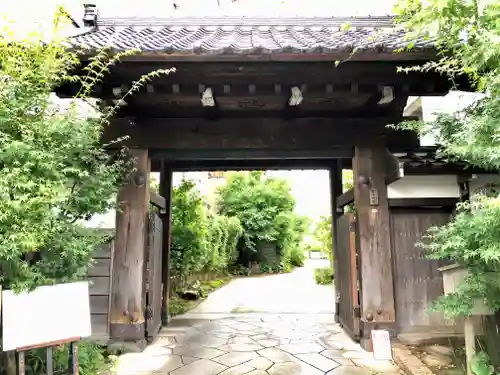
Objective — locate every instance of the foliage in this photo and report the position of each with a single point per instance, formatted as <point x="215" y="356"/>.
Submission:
<point x="468" y="35"/>
<point x="54" y="171"/>
<point x="297" y="257"/>
<point x="91" y="360"/>
<point x="323" y="276"/>
<point x="264" y="207"/>
<point x="323" y="235"/>
<point x="200" y="239"/>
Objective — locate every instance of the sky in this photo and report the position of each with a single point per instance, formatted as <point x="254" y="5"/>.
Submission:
<point x="154" y="8"/>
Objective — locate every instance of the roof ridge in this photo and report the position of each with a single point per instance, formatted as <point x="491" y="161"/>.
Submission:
<point x="214" y="21"/>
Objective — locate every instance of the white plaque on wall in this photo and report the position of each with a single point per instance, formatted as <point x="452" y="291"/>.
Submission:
<point x="47" y="314"/>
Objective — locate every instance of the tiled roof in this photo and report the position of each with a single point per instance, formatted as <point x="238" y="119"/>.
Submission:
<point x="236" y="35"/>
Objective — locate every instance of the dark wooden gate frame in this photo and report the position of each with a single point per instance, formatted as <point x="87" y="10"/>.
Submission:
<point x="154" y="267"/>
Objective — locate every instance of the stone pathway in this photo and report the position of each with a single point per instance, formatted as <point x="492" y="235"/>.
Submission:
<point x="214" y="340"/>
<point x="254" y="345"/>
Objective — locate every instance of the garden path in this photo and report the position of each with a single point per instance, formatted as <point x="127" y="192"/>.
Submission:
<point x="272" y="325"/>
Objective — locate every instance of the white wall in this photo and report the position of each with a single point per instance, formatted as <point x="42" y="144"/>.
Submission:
<point x="436" y="186"/>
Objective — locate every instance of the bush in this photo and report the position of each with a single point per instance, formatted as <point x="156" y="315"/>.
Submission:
<point x="91" y="359"/>
<point x="297" y="257"/>
<point x="200" y="239"/>
<point x="323" y="276"/>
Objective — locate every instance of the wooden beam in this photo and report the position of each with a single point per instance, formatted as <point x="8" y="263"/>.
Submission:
<point x="219" y="74"/>
<point x="157" y="200"/>
<point x="243" y="164"/>
<point x="335" y="190"/>
<point x="345" y="198"/>
<point x="127" y="312"/>
<point x="370" y="197"/>
<point x="423" y="202"/>
<point x="255" y="134"/>
<point x="280" y="57"/>
<point x="166" y="191"/>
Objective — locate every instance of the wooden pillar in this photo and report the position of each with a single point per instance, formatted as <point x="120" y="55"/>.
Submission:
<point x="127" y="310"/>
<point x="374" y="241"/>
<point x="335" y="191"/>
<point x="166" y="175"/>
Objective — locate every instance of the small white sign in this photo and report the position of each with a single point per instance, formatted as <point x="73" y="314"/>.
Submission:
<point x="47" y="314"/>
<point x="381" y="344"/>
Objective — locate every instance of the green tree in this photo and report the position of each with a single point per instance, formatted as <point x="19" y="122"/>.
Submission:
<point x="467" y="34"/>
<point x="265" y="209"/>
<point x="54" y="172"/>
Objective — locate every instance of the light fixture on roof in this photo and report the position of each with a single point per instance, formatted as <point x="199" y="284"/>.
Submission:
<point x="296" y="98"/>
<point x="207" y="98"/>
<point x="387" y="95"/>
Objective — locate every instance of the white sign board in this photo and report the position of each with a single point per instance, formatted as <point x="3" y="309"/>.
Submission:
<point x="381" y="344"/>
<point x="47" y="314"/>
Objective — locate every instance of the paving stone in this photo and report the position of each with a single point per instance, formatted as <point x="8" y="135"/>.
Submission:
<point x="157" y="350"/>
<point x="187" y="360"/>
<point x="260" y="336"/>
<point x="198" y="352"/>
<point x="260" y="363"/>
<point x="275" y="355"/>
<point x="318" y="361"/>
<point x="257" y="372"/>
<point x="200" y="367"/>
<point x="352" y="355"/>
<point x="137" y="363"/>
<point x="376" y="365"/>
<point x="236" y="358"/>
<point x="241" y="340"/>
<point x="336" y="355"/>
<point x="268" y="343"/>
<point x="240" y="347"/>
<point x="302" y="348"/>
<point x="293" y="368"/>
<point x="237" y="370"/>
<point x="349" y="370"/>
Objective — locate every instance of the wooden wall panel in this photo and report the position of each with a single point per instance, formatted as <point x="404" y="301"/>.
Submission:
<point x="99" y="290"/>
<point x="417" y="279"/>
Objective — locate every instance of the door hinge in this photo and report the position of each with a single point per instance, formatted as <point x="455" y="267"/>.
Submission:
<point x="352" y="226"/>
<point x="357" y="311"/>
<point x="148" y="313"/>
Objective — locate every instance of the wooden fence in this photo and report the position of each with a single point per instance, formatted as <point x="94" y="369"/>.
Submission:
<point x="100" y="290"/>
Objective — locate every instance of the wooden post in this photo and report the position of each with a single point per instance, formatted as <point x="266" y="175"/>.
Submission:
<point x="335" y="191"/>
<point x="127" y="320"/>
<point x="470" y="343"/>
<point x="166" y="175"/>
<point x="373" y="229"/>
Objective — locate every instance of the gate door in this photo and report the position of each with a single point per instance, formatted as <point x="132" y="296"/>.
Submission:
<point x="347" y="268"/>
<point x="154" y="282"/>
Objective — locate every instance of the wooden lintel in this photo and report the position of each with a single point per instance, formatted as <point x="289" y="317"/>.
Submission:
<point x="280" y="57"/>
<point x="423" y="202"/>
<point x="262" y="134"/>
<point x="345" y="199"/>
<point x="157" y="200"/>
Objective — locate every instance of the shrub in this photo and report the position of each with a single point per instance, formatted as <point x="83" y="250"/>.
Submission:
<point x="297" y="257"/>
<point x="91" y="359"/>
<point x="323" y="276"/>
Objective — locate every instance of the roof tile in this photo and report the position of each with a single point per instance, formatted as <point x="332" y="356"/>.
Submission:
<point x="252" y="35"/>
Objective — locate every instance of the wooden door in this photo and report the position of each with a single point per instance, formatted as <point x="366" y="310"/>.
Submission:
<point x="154" y="277"/>
<point x="348" y="282"/>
